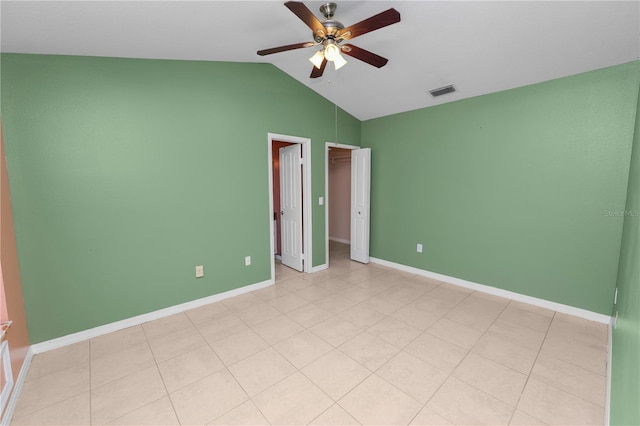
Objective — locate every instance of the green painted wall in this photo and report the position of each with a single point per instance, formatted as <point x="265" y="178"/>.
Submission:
<point x="127" y="173"/>
<point x="511" y="189"/>
<point x="625" y="374"/>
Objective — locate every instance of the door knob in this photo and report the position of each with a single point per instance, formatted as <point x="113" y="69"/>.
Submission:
<point x="282" y="213"/>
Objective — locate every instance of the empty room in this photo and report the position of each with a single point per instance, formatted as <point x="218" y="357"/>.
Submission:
<point x="350" y="213"/>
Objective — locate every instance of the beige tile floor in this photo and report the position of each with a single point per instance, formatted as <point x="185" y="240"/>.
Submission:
<point x="354" y="344"/>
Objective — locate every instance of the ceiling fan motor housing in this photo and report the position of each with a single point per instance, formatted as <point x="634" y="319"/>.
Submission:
<point x="331" y="25"/>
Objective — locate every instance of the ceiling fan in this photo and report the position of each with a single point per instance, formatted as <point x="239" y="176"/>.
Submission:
<point x="331" y="33"/>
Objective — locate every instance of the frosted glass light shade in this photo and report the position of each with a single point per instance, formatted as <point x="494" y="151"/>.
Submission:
<point x="339" y="62"/>
<point x="317" y="59"/>
<point x="331" y="52"/>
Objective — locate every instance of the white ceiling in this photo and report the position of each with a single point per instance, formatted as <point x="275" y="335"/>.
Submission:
<point x="479" y="46"/>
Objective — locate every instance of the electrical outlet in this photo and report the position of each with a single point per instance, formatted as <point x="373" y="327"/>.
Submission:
<point x="199" y="271"/>
<point x="247" y="260"/>
<point x="419" y="248"/>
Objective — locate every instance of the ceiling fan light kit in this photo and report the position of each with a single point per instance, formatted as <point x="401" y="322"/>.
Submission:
<point x="329" y="55"/>
<point x="331" y="33"/>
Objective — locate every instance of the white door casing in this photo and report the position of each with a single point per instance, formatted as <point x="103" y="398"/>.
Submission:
<point x="360" y="203"/>
<point x="291" y="206"/>
<point x="5" y="364"/>
<point x="307" y="213"/>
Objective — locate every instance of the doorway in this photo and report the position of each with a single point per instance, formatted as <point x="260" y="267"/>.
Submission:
<point x="304" y="182"/>
<point x="338" y="191"/>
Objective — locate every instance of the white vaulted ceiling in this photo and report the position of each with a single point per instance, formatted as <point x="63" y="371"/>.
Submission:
<point x="479" y="46"/>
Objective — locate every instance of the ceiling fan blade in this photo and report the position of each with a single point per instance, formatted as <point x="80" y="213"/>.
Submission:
<point x="364" y="55"/>
<point x="303" y="12"/>
<point x="285" y="48"/>
<point x="315" y="72"/>
<point x="376" y="22"/>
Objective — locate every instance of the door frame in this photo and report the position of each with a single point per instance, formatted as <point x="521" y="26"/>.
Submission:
<point x="307" y="243"/>
<point x="328" y="145"/>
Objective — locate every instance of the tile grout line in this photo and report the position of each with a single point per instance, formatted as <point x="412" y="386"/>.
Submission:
<point x="463" y="358"/>
<point x="155" y="360"/>
<point x="565" y="362"/>
<point x="226" y="367"/>
<point x="30" y="413"/>
<point x="299" y="370"/>
<point x="270" y="345"/>
<point x="526" y="382"/>
<point x="515" y="406"/>
<point x="403" y="350"/>
<point x="120" y="378"/>
<point x="308" y="329"/>
<point x="423" y="406"/>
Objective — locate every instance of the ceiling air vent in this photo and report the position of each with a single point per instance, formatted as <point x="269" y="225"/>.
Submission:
<point x="442" y="91"/>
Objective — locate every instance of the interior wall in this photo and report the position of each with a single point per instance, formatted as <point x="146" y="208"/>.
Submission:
<point x="511" y="189"/>
<point x="340" y="194"/>
<point x="18" y="334"/>
<point x="126" y="173"/>
<point x="625" y="380"/>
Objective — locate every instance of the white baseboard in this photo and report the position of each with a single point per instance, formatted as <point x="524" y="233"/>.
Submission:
<point x="340" y="240"/>
<point x="140" y="319"/>
<point x="17" y="388"/>
<point x="554" y="306"/>
<point x="607" y="404"/>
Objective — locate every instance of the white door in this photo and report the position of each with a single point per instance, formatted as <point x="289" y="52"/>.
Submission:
<point x="291" y="206"/>
<point x="360" y="188"/>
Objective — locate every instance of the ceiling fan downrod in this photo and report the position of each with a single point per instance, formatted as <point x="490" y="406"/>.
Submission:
<point x="328" y="10"/>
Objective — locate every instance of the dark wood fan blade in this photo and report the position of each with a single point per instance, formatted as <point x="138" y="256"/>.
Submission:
<point x="315" y="72"/>
<point x="285" y="48"/>
<point x="303" y="12"/>
<point x="376" y="22"/>
<point x="364" y="55"/>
